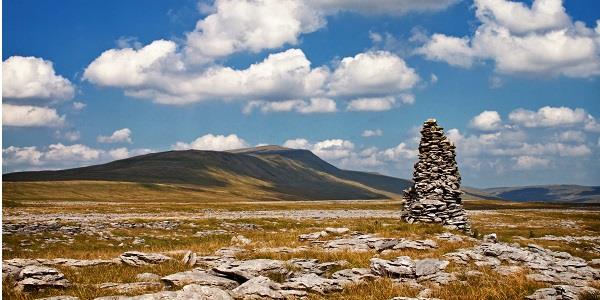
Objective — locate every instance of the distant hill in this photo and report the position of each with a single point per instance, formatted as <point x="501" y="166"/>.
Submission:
<point x="548" y="193"/>
<point x="286" y="173"/>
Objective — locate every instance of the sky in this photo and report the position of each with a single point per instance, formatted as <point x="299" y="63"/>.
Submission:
<point x="515" y="84"/>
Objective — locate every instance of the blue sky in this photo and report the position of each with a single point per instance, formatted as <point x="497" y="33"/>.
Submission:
<point x="515" y="84"/>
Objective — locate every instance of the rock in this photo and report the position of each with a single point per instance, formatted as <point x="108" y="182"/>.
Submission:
<point x="449" y="237"/>
<point x="135" y="258"/>
<point x="561" y="292"/>
<point x="199" y="277"/>
<point x="192" y="291"/>
<point x="413" y="298"/>
<point x="240" y="240"/>
<point x="36" y="277"/>
<point x="403" y="266"/>
<point x="248" y="269"/>
<point x="508" y="270"/>
<point x="262" y="287"/>
<point x="190" y="258"/>
<point x="64" y="297"/>
<point x="147" y="277"/>
<point x="313" y="283"/>
<point x="427" y="267"/>
<point x="415" y="244"/>
<point x="312" y="236"/>
<point x="125" y="288"/>
<point x="354" y="275"/>
<point x="303" y="266"/>
<point x="595" y="262"/>
<point x="490" y="238"/>
<point x="340" y="230"/>
<point x="12" y="268"/>
<point x="206" y="233"/>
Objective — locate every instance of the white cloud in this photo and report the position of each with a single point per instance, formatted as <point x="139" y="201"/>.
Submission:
<point x="30" y="116"/>
<point x="213" y="142"/>
<point x="119" y="136"/>
<point x="314" y="105"/>
<point x="297" y="144"/>
<point x="487" y="121"/>
<point x="79" y="105"/>
<point x="433" y="79"/>
<point x="119" y="153"/>
<point x="371" y="104"/>
<point x="21" y="155"/>
<point x="70" y="136"/>
<point x="242" y="25"/>
<point x="372" y="73"/>
<point x="571" y="136"/>
<point x="371" y="133"/>
<point x="32" y="77"/>
<point x="527" y="162"/>
<point x="548" y="116"/>
<point x="540" y="40"/>
<point x="76" y="152"/>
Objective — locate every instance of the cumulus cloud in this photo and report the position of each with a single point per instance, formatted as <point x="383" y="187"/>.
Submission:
<point x="571" y="136"/>
<point x="314" y="105"/>
<point x="487" y="121"/>
<point x="240" y="25"/>
<point x="30" y="116"/>
<point x="59" y="156"/>
<point x="548" y="116"/>
<point x="33" y="78"/>
<point x="527" y="162"/>
<point x="213" y="142"/>
<point x="119" y="136"/>
<point x="541" y="39"/>
<point x="70" y="136"/>
<point x="79" y="105"/>
<point x="371" y="133"/>
<point x="371" y="104"/>
<point x="372" y="73"/>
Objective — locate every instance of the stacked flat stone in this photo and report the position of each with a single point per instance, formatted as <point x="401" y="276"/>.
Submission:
<point x="435" y="196"/>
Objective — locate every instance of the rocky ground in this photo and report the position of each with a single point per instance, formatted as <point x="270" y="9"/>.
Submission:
<point x="298" y="254"/>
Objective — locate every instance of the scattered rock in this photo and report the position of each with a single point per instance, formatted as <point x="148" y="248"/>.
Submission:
<point x="490" y="238"/>
<point x="190" y="258"/>
<point x="339" y="230"/>
<point x="135" y="258"/>
<point x="240" y="240"/>
<point x="262" y="287"/>
<point x="561" y="292"/>
<point x="192" y="291"/>
<point x="403" y="266"/>
<point x="312" y="236"/>
<point x="36" y="277"/>
<point x="303" y="266"/>
<point x="426" y="267"/>
<point x="354" y="275"/>
<point x="200" y="277"/>
<point x="313" y="283"/>
<point x="248" y="269"/>
<point x="133" y="287"/>
<point x="206" y="233"/>
<point x="63" y="297"/>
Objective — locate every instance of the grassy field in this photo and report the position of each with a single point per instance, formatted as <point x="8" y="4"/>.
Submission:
<point x="511" y="221"/>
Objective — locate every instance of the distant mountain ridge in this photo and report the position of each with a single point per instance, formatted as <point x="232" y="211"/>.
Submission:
<point x="567" y="193"/>
<point x="290" y="173"/>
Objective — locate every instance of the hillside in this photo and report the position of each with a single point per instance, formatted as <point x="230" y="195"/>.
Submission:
<point x="548" y="193"/>
<point x="279" y="173"/>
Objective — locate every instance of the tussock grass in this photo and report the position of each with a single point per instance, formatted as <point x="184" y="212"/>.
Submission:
<point x="380" y="289"/>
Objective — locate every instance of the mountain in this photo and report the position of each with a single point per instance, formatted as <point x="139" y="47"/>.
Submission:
<point x="280" y="173"/>
<point x="548" y="193"/>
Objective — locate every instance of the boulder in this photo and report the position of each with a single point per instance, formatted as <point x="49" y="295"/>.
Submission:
<point x="192" y="291"/>
<point x="402" y="266"/>
<point x="199" y="277"/>
<point x="135" y="258"/>
<point x="313" y="283"/>
<point x="37" y="277"/>
<point x="248" y="269"/>
<point x="261" y="287"/>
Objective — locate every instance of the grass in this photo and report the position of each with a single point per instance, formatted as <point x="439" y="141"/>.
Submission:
<point x="148" y="203"/>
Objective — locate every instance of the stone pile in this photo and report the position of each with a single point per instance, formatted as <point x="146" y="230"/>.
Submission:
<point x="435" y="196"/>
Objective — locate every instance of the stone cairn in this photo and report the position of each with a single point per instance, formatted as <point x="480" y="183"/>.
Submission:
<point x="435" y="195"/>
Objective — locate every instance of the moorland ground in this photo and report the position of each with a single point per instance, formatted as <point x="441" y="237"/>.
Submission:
<point x="111" y="218"/>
